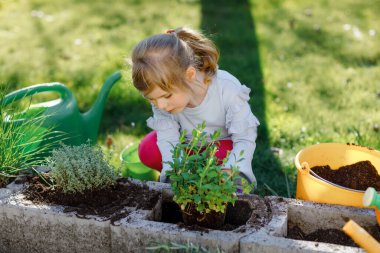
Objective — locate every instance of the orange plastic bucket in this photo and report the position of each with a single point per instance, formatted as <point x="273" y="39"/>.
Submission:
<point x="314" y="188"/>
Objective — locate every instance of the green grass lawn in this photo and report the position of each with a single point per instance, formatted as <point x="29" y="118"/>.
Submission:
<point x="313" y="66"/>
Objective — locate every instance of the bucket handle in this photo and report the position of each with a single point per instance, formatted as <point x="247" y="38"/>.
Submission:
<point x="305" y="168"/>
<point x="28" y="91"/>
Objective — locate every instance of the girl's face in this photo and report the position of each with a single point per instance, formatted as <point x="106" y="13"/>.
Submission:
<point x="172" y="102"/>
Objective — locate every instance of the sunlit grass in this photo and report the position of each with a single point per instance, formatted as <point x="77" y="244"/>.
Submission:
<point x="319" y="61"/>
<point x="322" y="74"/>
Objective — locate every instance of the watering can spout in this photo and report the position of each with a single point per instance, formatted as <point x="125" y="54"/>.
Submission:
<point x="92" y="117"/>
<point x="372" y="199"/>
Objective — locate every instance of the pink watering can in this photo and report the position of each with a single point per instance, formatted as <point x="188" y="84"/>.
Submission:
<point x="62" y="115"/>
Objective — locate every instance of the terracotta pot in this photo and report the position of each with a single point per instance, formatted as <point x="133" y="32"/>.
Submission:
<point x="213" y="220"/>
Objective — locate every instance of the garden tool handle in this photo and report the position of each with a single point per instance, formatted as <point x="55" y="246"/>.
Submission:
<point x="361" y="237"/>
<point x="28" y="91"/>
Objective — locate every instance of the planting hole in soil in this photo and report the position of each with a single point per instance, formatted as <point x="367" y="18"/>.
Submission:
<point x="109" y="203"/>
<point x="320" y="225"/>
<point x="248" y="211"/>
<point x="357" y="176"/>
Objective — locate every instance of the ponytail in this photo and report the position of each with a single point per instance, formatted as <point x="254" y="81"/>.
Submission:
<point x="205" y="52"/>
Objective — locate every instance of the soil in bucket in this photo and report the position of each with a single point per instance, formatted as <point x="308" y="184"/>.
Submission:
<point x="358" y="176"/>
<point x="108" y="203"/>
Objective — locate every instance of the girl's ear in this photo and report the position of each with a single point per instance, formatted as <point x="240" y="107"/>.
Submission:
<point x="190" y="73"/>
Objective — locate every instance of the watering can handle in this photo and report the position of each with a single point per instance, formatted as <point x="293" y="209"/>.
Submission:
<point x="28" y="91"/>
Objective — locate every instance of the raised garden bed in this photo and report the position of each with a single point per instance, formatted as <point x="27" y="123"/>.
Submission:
<point x="308" y="217"/>
<point x="27" y="227"/>
<point x="140" y="227"/>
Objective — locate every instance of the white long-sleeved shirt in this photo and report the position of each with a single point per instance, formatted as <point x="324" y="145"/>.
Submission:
<point x="224" y="107"/>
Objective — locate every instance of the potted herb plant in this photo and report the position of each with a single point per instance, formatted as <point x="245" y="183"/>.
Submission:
<point x="201" y="187"/>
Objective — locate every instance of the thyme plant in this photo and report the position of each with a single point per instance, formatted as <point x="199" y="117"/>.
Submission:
<point x="197" y="177"/>
<point x="75" y="169"/>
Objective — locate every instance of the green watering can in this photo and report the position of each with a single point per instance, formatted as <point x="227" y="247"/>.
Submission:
<point x="62" y="115"/>
<point x="133" y="167"/>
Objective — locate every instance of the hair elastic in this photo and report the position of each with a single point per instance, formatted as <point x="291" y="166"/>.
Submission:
<point x="170" y="31"/>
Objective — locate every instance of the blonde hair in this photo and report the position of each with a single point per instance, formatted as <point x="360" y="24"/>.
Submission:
<point x="162" y="60"/>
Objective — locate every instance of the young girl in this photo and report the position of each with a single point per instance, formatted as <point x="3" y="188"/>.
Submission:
<point x="178" y="73"/>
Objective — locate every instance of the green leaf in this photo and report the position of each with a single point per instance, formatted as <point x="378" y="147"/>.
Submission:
<point x="185" y="175"/>
<point x="194" y="157"/>
<point x="197" y="198"/>
<point x="212" y="174"/>
<point x="175" y="178"/>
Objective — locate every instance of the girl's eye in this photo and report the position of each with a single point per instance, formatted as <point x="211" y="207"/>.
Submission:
<point x="151" y="101"/>
<point x="168" y="96"/>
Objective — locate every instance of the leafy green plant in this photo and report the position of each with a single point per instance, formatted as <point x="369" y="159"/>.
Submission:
<point x="22" y="146"/>
<point x="197" y="177"/>
<point x="75" y="169"/>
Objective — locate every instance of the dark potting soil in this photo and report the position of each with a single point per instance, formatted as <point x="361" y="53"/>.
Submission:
<point x="4" y="182"/>
<point x="213" y="220"/>
<point x="2" y="185"/>
<point x="358" y="176"/>
<point x="108" y="203"/>
<point x="335" y="236"/>
<point x="238" y="217"/>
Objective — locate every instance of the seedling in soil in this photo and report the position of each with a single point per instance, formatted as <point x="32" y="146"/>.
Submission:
<point x="201" y="188"/>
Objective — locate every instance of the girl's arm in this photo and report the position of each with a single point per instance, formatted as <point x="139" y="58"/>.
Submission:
<point x="242" y="125"/>
<point x="244" y="141"/>
<point x="167" y="136"/>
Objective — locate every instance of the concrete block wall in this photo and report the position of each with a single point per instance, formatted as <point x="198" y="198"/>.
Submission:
<point x="26" y="227"/>
<point x="137" y="234"/>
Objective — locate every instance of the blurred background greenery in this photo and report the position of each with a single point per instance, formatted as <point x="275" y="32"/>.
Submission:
<point x="313" y="66"/>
